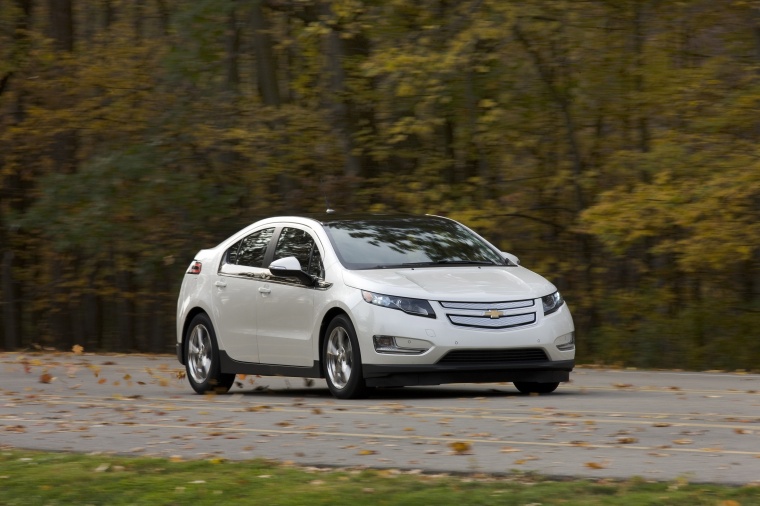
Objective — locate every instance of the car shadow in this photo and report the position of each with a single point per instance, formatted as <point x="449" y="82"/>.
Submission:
<point x="426" y="392"/>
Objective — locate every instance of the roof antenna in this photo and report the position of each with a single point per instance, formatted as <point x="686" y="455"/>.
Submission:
<point x="328" y="207"/>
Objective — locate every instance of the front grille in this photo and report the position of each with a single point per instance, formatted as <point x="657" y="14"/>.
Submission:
<point x="494" y="356"/>
<point x="490" y="315"/>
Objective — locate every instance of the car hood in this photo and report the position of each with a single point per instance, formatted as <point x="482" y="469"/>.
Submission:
<point x="463" y="284"/>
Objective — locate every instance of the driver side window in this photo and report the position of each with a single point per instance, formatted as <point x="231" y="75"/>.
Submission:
<point x="294" y="242"/>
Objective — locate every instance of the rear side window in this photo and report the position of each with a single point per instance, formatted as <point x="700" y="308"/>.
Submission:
<point x="250" y="251"/>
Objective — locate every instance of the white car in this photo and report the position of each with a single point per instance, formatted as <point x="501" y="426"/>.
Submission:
<point x="370" y="301"/>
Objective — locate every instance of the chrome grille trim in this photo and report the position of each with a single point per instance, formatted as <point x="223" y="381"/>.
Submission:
<point x="485" y="306"/>
<point x="487" y="322"/>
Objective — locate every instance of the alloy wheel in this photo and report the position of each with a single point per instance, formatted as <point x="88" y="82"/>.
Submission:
<point x="199" y="354"/>
<point x="339" y="357"/>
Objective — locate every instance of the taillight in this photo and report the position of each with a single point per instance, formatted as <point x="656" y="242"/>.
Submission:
<point x="195" y="267"/>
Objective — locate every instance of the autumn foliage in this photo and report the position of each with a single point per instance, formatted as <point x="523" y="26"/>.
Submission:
<point x="613" y="146"/>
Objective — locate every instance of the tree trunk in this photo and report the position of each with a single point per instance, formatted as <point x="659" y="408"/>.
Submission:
<point x="266" y="65"/>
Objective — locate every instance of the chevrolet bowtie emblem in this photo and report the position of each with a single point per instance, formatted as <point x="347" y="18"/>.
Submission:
<point x="493" y="313"/>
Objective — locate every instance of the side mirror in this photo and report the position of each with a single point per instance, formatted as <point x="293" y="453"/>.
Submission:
<point x="290" y="267"/>
<point x="509" y="257"/>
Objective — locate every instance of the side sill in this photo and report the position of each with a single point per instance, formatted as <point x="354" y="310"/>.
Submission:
<point x="232" y="366"/>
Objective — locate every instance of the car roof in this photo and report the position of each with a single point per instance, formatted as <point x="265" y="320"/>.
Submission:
<point x="328" y="218"/>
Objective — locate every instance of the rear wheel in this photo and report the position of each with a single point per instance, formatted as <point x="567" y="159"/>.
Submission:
<point x="529" y="387"/>
<point x="202" y="352"/>
<point x="342" y="360"/>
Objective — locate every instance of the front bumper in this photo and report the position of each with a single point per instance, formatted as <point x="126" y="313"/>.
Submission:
<point x="437" y="374"/>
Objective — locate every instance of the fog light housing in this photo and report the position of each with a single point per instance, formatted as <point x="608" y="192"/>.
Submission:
<point x="400" y="345"/>
<point x="565" y="342"/>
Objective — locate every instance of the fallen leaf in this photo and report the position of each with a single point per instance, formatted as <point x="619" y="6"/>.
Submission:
<point x="77" y="349"/>
<point x="683" y="441"/>
<point x="460" y="447"/>
<point x="627" y="440"/>
<point x="661" y="424"/>
<point x="595" y="465"/>
<point x="101" y="381"/>
<point x="367" y="452"/>
<point x="46" y="378"/>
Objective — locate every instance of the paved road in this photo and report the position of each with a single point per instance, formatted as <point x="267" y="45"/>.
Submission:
<point x="700" y="427"/>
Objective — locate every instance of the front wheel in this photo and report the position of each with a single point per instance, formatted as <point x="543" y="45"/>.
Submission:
<point x="202" y="363"/>
<point x="342" y="359"/>
<point x="529" y="387"/>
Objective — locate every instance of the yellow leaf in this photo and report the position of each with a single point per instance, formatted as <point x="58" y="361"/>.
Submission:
<point x="460" y="447"/>
<point x="595" y="465"/>
<point x="367" y="452"/>
<point x="77" y="349"/>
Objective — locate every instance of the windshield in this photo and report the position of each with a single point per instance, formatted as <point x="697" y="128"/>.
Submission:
<point x="408" y="242"/>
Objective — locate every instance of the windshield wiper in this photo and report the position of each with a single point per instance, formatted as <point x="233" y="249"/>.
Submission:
<point x="450" y="262"/>
<point x="465" y="262"/>
<point x="430" y="264"/>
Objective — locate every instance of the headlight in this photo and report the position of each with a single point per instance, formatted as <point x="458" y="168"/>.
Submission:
<point x="552" y="303"/>
<point x="417" y="307"/>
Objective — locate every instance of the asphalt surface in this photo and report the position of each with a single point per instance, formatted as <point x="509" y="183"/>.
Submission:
<point x="695" y="427"/>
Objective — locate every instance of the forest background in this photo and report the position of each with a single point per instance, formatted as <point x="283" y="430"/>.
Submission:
<point x="611" y="144"/>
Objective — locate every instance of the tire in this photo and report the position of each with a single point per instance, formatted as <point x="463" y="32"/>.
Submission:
<point x="342" y="361"/>
<point x="202" y="358"/>
<point x="527" y="387"/>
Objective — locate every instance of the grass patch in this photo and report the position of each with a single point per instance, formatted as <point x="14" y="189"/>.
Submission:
<point x="29" y="478"/>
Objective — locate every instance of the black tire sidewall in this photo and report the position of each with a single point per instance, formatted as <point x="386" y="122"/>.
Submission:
<point x="529" y="387"/>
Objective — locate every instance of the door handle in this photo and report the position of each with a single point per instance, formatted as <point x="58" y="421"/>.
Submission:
<point x="264" y="289"/>
<point x="220" y="284"/>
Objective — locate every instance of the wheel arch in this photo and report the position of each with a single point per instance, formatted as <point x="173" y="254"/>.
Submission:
<point x="186" y="324"/>
<point x="332" y="313"/>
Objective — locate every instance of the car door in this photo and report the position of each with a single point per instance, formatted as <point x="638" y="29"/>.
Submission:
<point x="286" y="305"/>
<point x="236" y="294"/>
